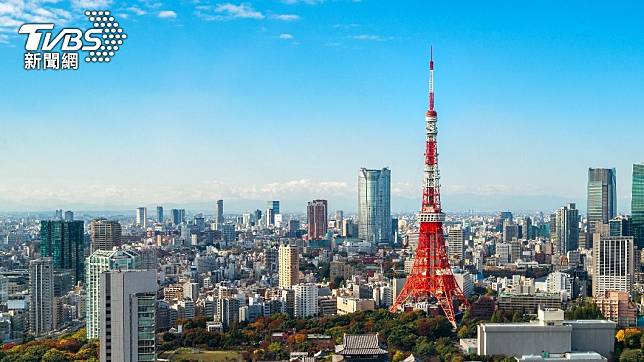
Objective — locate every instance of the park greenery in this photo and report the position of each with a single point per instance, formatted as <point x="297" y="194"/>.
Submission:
<point x="70" y="347"/>
<point x="429" y="338"/>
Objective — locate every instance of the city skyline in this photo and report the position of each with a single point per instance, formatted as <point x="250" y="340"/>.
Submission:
<point x="262" y="89"/>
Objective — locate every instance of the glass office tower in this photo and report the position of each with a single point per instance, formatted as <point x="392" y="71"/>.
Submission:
<point x="637" y="205"/>
<point x="64" y="241"/>
<point x="602" y="197"/>
<point x="374" y="205"/>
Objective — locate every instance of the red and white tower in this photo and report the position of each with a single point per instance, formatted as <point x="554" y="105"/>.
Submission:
<point x="431" y="276"/>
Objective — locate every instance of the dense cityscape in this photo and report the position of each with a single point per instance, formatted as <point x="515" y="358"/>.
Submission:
<point x="323" y="285"/>
<point x="269" y="285"/>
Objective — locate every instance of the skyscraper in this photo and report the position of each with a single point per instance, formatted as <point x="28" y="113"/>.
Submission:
<point x="637" y="205"/>
<point x="63" y="241"/>
<point x="316" y="217"/>
<point x="176" y="216"/>
<point x="566" y="233"/>
<point x="142" y="217"/>
<point x="289" y="266"/>
<point x="160" y="214"/>
<point x="613" y="264"/>
<point x="374" y="205"/>
<point x="602" y="197"/>
<point x="128" y="317"/>
<point x="219" y="212"/>
<point x="228" y="233"/>
<point x="99" y="262"/>
<point x="620" y="226"/>
<point x="105" y="234"/>
<point x="274" y="206"/>
<point x="41" y="294"/>
<point x="69" y="215"/>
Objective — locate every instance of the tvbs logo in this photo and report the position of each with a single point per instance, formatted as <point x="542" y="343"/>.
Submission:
<point x="46" y="50"/>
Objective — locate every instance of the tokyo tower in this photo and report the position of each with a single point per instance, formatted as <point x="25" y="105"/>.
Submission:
<point x="431" y="276"/>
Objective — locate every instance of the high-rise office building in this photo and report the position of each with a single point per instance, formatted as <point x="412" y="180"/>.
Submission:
<point x="527" y="231"/>
<point x="219" y="212"/>
<point x="637" y="205"/>
<point x="274" y="207"/>
<point x="602" y="197"/>
<point x="228" y="233"/>
<point x="339" y="216"/>
<point x="510" y="230"/>
<point x="257" y="216"/>
<point x="620" y="226"/>
<point x="613" y="264"/>
<point x="316" y="217"/>
<point x="64" y="242"/>
<point x="374" y="205"/>
<point x="306" y="300"/>
<point x="289" y="266"/>
<point x="228" y="312"/>
<point x="160" y="218"/>
<point x="504" y="216"/>
<point x="99" y="262"/>
<point x="105" y="234"/>
<point x="69" y="215"/>
<point x="566" y="233"/>
<point x="128" y="316"/>
<point x="293" y="228"/>
<point x="142" y="217"/>
<point x="176" y="216"/>
<point x="456" y="243"/>
<point x="41" y="295"/>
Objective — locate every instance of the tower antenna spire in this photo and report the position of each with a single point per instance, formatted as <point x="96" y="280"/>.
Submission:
<point x="431" y="78"/>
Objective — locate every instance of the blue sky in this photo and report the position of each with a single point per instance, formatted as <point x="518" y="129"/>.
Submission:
<point x="258" y="100"/>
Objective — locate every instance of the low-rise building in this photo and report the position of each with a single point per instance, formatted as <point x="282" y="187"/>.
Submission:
<point x="347" y="305"/>
<point x="550" y="334"/>
<point x="361" y="348"/>
<point x="617" y="307"/>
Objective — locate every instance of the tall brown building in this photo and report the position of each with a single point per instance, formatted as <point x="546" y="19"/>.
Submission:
<point x="105" y="234"/>
<point x="316" y="213"/>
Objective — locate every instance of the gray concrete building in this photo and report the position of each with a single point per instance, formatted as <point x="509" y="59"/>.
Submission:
<point x="128" y="318"/>
<point x="550" y="334"/>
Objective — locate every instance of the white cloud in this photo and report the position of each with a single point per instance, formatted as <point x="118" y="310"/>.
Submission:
<point x="370" y="37"/>
<point x="4" y="39"/>
<point x="308" y="2"/>
<point x="9" y="22"/>
<point x="136" y="10"/>
<point x="285" y="17"/>
<point x="286" y="36"/>
<point x="229" y="11"/>
<point x="91" y="4"/>
<point x="14" y="13"/>
<point x="124" y="194"/>
<point x="167" y="14"/>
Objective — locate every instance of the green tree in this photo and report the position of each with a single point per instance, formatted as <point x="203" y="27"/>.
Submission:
<point x="34" y="353"/>
<point x="631" y="355"/>
<point x="497" y="316"/>
<point x="424" y="347"/>
<point x="398" y="356"/>
<point x="54" y="355"/>
<point x="517" y="316"/>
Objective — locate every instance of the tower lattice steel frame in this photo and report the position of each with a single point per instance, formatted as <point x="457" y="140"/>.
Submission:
<point x="431" y="275"/>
